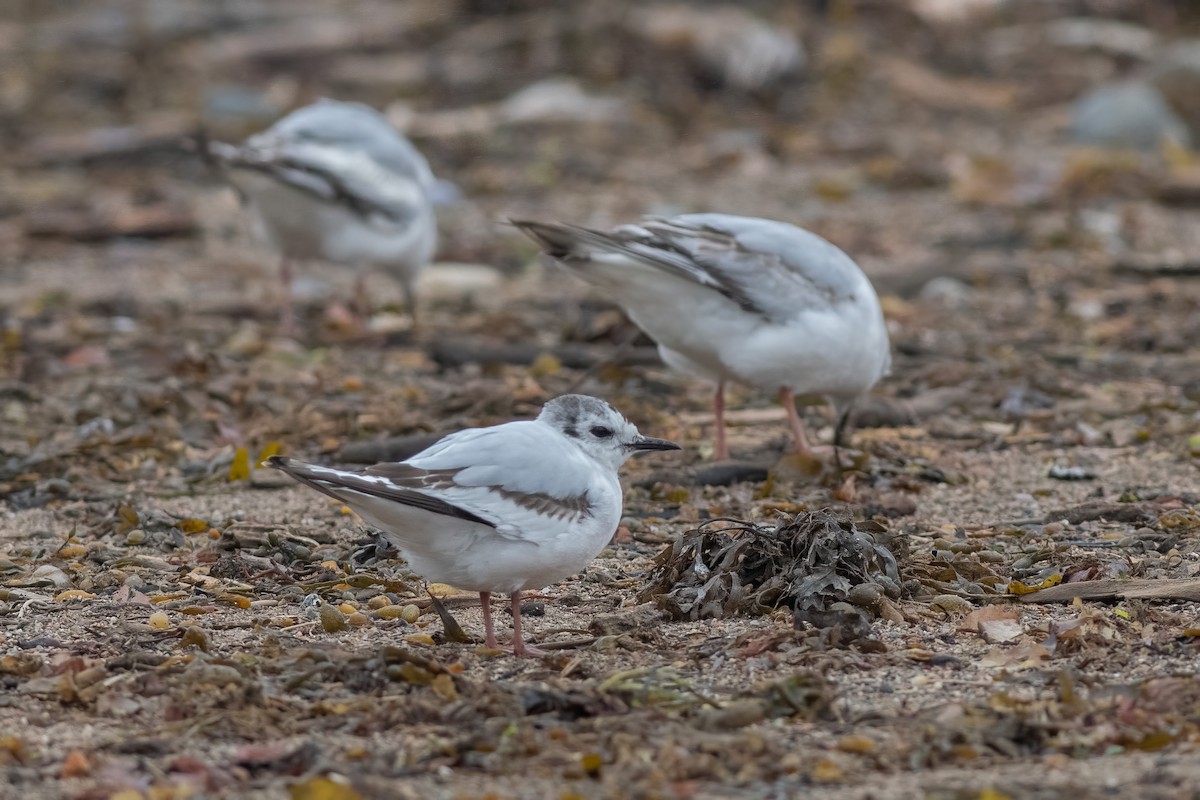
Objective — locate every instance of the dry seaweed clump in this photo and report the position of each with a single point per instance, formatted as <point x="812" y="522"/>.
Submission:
<point x="815" y="563"/>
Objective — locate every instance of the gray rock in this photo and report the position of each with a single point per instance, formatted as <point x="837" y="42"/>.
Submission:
<point x="1129" y="114"/>
<point x="947" y="291"/>
<point x="1176" y="73"/>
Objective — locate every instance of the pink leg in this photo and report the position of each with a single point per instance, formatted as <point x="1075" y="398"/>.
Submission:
<point x="362" y="303"/>
<point x="287" y="314"/>
<point x="801" y="444"/>
<point x="721" y="450"/>
<point x="489" y="635"/>
<point x="519" y="646"/>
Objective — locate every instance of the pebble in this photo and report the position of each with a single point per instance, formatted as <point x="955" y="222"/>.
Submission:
<point x="391" y="612"/>
<point x="452" y="282"/>
<point x="378" y="601"/>
<point x="866" y="595"/>
<point x="160" y="620"/>
<point x="951" y="604"/>
<point x="135" y="536"/>
<point x="1176" y="73"/>
<point x="359" y="619"/>
<point x="332" y="619"/>
<point x="1131" y="114"/>
<point x="948" y="292"/>
<point x="410" y="613"/>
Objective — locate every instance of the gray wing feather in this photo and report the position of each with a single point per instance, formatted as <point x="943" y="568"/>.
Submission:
<point x="506" y="456"/>
<point x="778" y="267"/>
<point x="766" y="267"/>
<point x="399" y="489"/>
<point x="358" y="126"/>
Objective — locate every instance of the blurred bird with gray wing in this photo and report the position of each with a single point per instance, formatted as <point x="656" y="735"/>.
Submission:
<point x="335" y="181"/>
<point x="740" y="299"/>
<point x="500" y="509"/>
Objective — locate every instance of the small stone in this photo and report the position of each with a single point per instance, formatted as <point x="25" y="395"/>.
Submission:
<point x="76" y="765"/>
<point x="378" y="601"/>
<point x="948" y="292"/>
<point x="73" y="550"/>
<point x="391" y="612"/>
<point x="865" y="595"/>
<point x="135" y="537"/>
<point x="448" y="282"/>
<point x="951" y="605"/>
<point x="332" y="619"/>
<point x="347" y="608"/>
<point x="160" y="620"/>
<point x="1131" y="114"/>
<point x="359" y="619"/>
<point x="410" y="613"/>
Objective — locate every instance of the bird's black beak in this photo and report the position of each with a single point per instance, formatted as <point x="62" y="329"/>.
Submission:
<point x="650" y="443"/>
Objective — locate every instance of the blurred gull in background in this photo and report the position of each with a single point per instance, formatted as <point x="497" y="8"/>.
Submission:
<point x="740" y="299"/>
<point x="335" y="181"/>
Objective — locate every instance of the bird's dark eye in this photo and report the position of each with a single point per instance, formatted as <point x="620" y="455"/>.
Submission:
<point x="601" y="432"/>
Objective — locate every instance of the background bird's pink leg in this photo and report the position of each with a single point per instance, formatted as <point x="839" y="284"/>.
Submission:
<point x="489" y="635"/>
<point x="519" y="646"/>
<point x="362" y="303"/>
<point x="788" y="398"/>
<point x="721" y="449"/>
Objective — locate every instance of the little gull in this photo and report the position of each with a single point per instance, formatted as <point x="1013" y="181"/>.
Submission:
<point x="738" y="299"/>
<point x="500" y="509"/>
<point x="335" y="181"/>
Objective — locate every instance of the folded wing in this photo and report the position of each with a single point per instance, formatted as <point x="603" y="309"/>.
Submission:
<point x="766" y="267"/>
<point x="510" y="478"/>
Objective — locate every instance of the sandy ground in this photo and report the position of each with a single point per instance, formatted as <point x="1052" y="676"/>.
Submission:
<point x="160" y="625"/>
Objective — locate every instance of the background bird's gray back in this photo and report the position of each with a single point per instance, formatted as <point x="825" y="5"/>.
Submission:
<point x="358" y="126"/>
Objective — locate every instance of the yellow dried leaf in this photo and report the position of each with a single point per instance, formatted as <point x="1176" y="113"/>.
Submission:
<point x="192" y="525"/>
<point x="1017" y="587"/>
<point x="325" y="787"/>
<point x="443" y="686"/>
<point x="272" y="449"/>
<point x="591" y="762"/>
<point x="440" y="589"/>
<point x="992" y="794"/>
<point x="545" y="364"/>
<point x="234" y="600"/>
<point x="825" y="771"/>
<point x="72" y="550"/>
<point x="423" y="639"/>
<point x="127" y="519"/>
<point x="856" y="744"/>
<point x="239" y="470"/>
<point x="73" y="594"/>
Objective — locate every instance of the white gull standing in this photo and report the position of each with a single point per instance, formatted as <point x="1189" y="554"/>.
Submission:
<point x="500" y="509"/>
<point x="740" y="299"/>
<point x="335" y="181"/>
